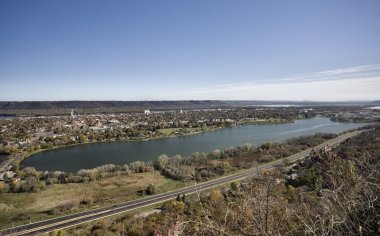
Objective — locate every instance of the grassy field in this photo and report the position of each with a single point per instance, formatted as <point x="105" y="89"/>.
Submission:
<point x="175" y="131"/>
<point x="22" y="208"/>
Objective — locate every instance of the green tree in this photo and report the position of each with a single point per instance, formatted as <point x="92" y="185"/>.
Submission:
<point x="151" y="189"/>
<point x="82" y="138"/>
<point x="235" y="186"/>
<point x="5" y="176"/>
<point x="161" y="162"/>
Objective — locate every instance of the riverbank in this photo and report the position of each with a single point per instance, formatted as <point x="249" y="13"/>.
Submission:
<point x="23" y="208"/>
<point x="119" y="153"/>
<point x="266" y="121"/>
<point x="167" y="133"/>
<point x="198" y="131"/>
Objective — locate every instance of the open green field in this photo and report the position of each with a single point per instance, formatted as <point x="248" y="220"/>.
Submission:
<point x="22" y="208"/>
<point x="176" y="131"/>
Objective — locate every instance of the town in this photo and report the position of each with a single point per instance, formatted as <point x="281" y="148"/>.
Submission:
<point x="153" y="118"/>
<point x="23" y="136"/>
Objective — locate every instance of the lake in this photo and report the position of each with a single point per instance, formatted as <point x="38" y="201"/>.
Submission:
<point x="74" y="158"/>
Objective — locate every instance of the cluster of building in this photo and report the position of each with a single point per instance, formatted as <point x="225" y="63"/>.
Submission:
<point x="28" y="134"/>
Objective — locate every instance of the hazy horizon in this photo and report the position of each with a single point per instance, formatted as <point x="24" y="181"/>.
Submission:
<point x="197" y="50"/>
<point x="221" y="100"/>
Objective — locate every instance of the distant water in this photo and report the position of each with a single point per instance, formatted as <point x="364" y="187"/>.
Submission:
<point x="7" y="117"/>
<point x="374" y="108"/>
<point x="78" y="157"/>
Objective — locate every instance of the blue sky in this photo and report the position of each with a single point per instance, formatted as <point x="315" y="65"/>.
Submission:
<point x="159" y="50"/>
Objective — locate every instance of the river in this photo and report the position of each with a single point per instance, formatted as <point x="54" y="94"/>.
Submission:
<point x="86" y="156"/>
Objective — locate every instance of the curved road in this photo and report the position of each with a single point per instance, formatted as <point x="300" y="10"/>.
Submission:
<point x="91" y="215"/>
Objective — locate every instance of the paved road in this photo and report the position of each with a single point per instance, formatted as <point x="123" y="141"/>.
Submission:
<point x="91" y="215"/>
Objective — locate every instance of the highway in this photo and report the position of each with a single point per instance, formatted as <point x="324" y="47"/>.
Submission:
<point x="96" y="214"/>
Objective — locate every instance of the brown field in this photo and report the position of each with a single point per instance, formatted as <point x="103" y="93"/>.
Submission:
<point x="21" y="208"/>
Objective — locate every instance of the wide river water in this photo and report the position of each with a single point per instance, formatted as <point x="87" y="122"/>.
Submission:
<point x="86" y="156"/>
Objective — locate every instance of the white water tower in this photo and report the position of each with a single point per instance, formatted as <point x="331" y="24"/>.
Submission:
<point x="72" y="114"/>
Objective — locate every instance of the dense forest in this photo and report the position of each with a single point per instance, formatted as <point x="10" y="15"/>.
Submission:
<point x="332" y="192"/>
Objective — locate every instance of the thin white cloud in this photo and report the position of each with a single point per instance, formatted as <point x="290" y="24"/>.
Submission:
<point x="355" y="83"/>
<point x="337" y="74"/>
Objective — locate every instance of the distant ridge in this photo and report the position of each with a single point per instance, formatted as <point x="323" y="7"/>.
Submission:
<point x="163" y="105"/>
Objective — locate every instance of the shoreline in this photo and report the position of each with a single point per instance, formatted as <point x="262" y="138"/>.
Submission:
<point x="237" y="172"/>
<point x="27" y="155"/>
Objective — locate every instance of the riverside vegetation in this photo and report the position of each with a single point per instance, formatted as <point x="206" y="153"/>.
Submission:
<point x="336" y="192"/>
<point x="23" y="136"/>
<point x="109" y="184"/>
<point x="199" y="165"/>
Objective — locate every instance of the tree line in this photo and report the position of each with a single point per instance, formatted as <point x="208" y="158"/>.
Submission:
<point x="336" y="193"/>
<point x="198" y="166"/>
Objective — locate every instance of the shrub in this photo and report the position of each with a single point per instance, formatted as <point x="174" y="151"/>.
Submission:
<point x="266" y="158"/>
<point x="4" y="187"/>
<point x="63" y="208"/>
<point x="150" y="190"/>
